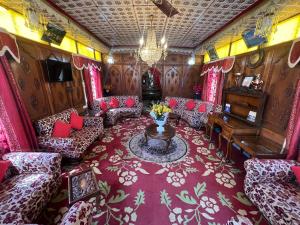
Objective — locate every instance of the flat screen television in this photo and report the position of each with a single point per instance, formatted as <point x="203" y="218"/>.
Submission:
<point x="211" y="50"/>
<point x="57" y="71"/>
<point x="251" y="39"/>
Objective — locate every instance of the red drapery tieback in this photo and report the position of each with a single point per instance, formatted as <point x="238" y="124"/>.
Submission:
<point x="294" y="55"/>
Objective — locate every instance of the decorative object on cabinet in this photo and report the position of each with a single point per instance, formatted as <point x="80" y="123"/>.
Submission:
<point x="256" y="58"/>
<point x="82" y="186"/>
<point x="247" y="80"/>
<point x="257" y="83"/>
<point x="238" y="78"/>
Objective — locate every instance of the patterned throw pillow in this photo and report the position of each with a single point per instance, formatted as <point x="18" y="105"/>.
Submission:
<point x="202" y="108"/>
<point x="172" y="103"/>
<point x="190" y="105"/>
<point x="103" y="106"/>
<point x="129" y="102"/>
<point x="61" y="129"/>
<point x="76" y="121"/>
<point x="114" y="103"/>
<point x="296" y="170"/>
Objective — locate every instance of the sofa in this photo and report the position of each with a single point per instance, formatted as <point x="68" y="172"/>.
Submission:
<point x="193" y="117"/>
<point x="74" y="146"/>
<point x="271" y="186"/>
<point x="113" y="114"/>
<point x="35" y="178"/>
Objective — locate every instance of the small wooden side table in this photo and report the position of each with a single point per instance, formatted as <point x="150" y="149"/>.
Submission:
<point x="83" y="185"/>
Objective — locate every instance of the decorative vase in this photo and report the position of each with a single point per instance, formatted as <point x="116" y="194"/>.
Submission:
<point x="160" y="121"/>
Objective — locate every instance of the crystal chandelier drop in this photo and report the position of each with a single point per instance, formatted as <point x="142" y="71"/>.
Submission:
<point x="266" y="23"/>
<point x="150" y="52"/>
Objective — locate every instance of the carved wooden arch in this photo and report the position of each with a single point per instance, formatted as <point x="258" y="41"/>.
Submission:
<point x="132" y="79"/>
<point x="172" y="81"/>
<point x="115" y="75"/>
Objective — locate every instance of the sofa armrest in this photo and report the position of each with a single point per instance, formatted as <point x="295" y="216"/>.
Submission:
<point x="33" y="162"/>
<point x="269" y="170"/>
<point x="93" y="121"/>
<point x="79" y="213"/>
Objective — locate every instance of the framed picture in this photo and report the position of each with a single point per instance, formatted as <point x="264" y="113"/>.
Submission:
<point x="211" y="50"/>
<point x="82" y="185"/>
<point x="251" y="116"/>
<point x="247" y="81"/>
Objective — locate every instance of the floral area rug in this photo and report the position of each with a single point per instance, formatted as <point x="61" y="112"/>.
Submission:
<point x="198" y="189"/>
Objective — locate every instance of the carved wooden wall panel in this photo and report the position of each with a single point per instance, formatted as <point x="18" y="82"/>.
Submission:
<point x="132" y="79"/>
<point x="172" y="81"/>
<point x="177" y="78"/>
<point x="32" y="90"/>
<point x="43" y="98"/>
<point x="279" y="84"/>
<point x="115" y="76"/>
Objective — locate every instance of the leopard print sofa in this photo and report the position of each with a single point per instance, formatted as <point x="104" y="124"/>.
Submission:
<point x="74" y="146"/>
<point x="23" y="195"/>
<point x="271" y="186"/>
<point x="112" y="115"/>
<point x="193" y="118"/>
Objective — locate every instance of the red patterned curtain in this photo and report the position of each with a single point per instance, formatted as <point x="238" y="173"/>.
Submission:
<point x="13" y="115"/>
<point x="88" y="87"/>
<point x="96" y="74"/>
<point x="4" y="147"/>
<point x="293" y="134"/>
<point x="213" y="85"/>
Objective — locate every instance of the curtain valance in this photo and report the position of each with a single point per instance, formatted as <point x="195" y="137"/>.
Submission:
<point x="224" y="65"/>
<point x="80" y="62"/>
<point x="8" y="43"/>
<point x="294" y="56"/>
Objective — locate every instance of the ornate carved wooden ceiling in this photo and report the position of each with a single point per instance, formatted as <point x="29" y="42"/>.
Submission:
<point x="122" y="22"/>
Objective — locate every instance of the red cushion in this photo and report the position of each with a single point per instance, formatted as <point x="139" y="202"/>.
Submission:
<point x="61" y="129"/>
<point x="296" y="170"/>
<point x="202" y="108"/>
<point x="130" y="102"/>
<point x="103" y="106"/>
<point x="114" y="103"/>
<point x="4" y="165"/>
<point x="76" y="121"/>
<point x="172" y="103"/>
<point x="190" y="105"/>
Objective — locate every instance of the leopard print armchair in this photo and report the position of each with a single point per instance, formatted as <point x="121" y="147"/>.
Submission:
<point x="193" y="118"/>
<point x="113" y="114"/>
<point x="74" y="146"/>
<point x="271" y="186"/>
<point x="24" y="195"/>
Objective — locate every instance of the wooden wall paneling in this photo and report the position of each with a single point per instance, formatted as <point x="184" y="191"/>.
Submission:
<point x="132" y="79"/>
<point x="77" y="92"/>
<point x="30" y="83"/>
<point x="190" y="77"/>
<point x="172" y="80"/>
<point x="115" y="74"/>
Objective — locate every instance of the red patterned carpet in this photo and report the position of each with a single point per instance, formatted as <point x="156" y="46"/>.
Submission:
<point x="197" y="189"/>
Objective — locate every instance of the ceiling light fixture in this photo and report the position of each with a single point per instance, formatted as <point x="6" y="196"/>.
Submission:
<point x="150" y="52"/>
<point x="192" y="60"/>
<point x="110" y="59"/>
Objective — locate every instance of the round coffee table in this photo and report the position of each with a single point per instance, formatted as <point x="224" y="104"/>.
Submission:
<point x="166" y="135"/>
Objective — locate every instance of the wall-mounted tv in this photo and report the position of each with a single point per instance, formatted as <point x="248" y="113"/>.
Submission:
<point x="251" y="39"/>
<point x="211" y="50"/>
<point x="57" y="71"/>
<point x="54" y="34"/>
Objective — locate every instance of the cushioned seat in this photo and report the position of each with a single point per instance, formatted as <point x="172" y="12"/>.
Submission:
<point x="271" y="186"/>
<point x="25" y="193"/>
<point x="113" y="114"/>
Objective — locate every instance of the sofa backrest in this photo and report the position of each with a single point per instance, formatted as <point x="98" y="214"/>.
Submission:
<point x="122" y="100"/>
<point x="182" y="101"/>
<point x="45" y="126"/>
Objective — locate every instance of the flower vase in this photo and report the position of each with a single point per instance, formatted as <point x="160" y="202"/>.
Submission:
<point x="160" y="121"/>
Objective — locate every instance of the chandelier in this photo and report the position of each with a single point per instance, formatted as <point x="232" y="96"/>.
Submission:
<point x="150" y="52"/>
